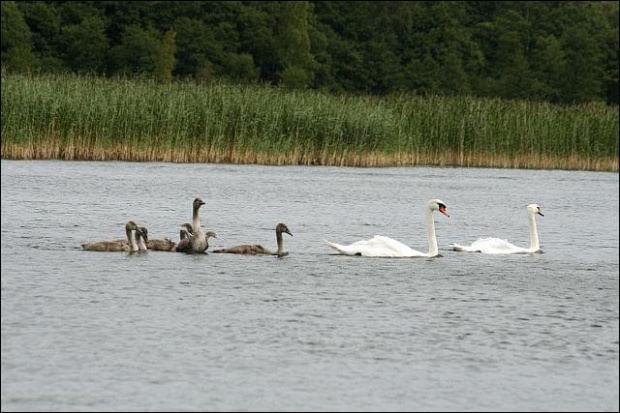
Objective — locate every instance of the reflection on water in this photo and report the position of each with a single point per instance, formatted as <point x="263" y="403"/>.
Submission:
<point x="314" y="330"/>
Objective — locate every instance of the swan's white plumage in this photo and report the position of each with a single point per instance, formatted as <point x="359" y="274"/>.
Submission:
<point x="492" y="246"/>
<point x="497" y="246"/>
<point x="380" y="246"/>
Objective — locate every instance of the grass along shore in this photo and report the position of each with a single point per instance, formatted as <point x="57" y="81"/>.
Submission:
<point x="89" y="118"/>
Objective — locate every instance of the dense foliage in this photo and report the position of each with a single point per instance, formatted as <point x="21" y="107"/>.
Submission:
<point x="95" y="118"/>
<point x="560" y="51"/>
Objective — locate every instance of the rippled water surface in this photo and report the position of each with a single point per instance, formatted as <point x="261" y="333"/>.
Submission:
<point x="313" y="330"/>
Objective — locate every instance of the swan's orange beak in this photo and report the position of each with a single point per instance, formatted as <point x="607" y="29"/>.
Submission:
<point x="443" y="210"/>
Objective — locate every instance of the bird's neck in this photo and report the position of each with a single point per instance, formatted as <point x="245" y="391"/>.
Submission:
<point x="132" y="240"/>
<point x="141" y="244"/>
<point x="196" y="221"/>
<point x="137" y="240"/>
<point x="280" y="241"/>
<point x="534" y="243"/>
<point x="430" y="233"/>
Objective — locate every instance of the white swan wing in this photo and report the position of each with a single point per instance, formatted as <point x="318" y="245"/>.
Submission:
<point x="495" y="246"/>
<point x="378" y="246"/>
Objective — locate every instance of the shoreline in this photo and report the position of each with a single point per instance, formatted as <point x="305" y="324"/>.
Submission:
<point x="300" y="158"/>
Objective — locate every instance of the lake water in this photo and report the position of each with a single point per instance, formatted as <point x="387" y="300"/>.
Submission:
<point x="313" y="330"/>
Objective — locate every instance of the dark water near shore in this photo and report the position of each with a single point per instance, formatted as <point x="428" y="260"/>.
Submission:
<point x="314" y="330"/>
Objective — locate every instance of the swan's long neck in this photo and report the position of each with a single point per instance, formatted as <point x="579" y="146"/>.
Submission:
<point x="141" y="243"/>
<point x="280" y="241"/>
<point x="138" y="242"/>
<point x="534" y="243"/>
<point x="430" y="233"/>
<point x="196" y="221"/>
<point x="132" y="240"/>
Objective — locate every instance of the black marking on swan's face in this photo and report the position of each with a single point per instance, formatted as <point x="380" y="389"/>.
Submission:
<point x="442" y="208"/>
<point x="535" y="209"/>
<point x="283" y="228"/>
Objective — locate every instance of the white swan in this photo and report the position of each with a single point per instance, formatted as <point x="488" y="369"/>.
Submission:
<point x="381" y="246"/>
<point x="499" y="246"/>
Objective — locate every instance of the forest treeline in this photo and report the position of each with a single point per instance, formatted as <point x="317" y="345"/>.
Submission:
<point x="555" y="51"/>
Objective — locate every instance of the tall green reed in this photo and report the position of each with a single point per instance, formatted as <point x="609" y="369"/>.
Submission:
<point x="75" y="117"/>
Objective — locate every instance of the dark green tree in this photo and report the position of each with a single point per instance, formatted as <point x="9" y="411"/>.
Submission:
<point x="582" y="77"/>
<point x="164" y="57"/>
<point x="611" y="46"/>
<point x="16" y="39"/>
<point x="256" y="23"/>
<point x="558" y="51"/>
<point x="85" y="45"/>
<point x="293" y="44"/>
<point x="137" y="52"/>
<point x="548" y="64"/>
<point x="198" y="52"/>
<point x="45" y="23"/>
<point x="240" y="68"/>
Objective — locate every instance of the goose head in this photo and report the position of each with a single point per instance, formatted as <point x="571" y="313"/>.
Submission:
<point x="283" y="228"/>
<point x="198" y="203"/>
<point x="144" y="232"/>
<point x="534" y="209"/>
<point x="131" y="226"/>
<point x="188" y="228"/>
<point x="186" y="231"/>
<point x="438" y="205"/>
<point x="210" y="234"/>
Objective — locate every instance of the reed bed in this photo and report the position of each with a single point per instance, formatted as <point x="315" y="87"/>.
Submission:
<point x="88" y="118"/>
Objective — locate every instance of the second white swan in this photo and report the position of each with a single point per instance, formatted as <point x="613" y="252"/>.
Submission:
<point x="381" y="246"/>
<point x="499" y="246"/>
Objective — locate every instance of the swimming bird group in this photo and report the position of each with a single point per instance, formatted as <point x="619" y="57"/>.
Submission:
<point x="193" y="240"/>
